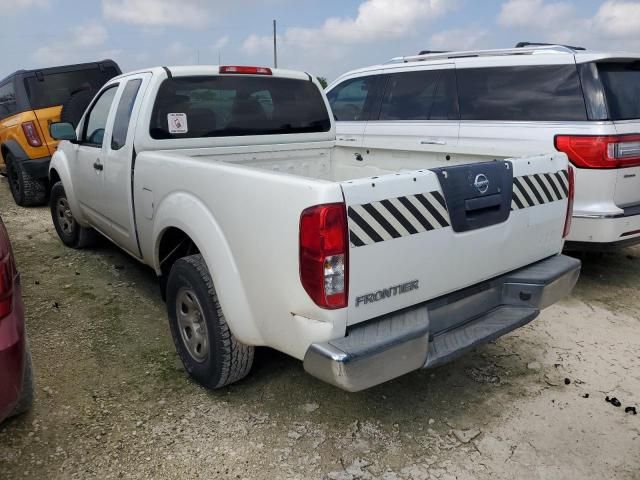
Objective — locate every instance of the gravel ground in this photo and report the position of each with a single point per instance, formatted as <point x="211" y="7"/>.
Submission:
<point x="112" y="400"/>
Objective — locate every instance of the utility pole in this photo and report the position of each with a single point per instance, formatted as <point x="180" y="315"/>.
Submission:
<point x="275" y="47"/>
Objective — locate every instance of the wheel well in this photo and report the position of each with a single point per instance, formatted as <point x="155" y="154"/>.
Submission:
<point x="174" y="244"/>
<point x="53" y="177"/>
<point x="3" y="151"/>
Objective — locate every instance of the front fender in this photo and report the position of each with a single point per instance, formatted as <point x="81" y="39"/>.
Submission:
<point x="186" y="212"/>
<point x="60" y="165"/>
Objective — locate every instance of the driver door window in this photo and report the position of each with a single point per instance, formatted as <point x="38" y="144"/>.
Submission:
<point x="96" y="122"/>
<point x="349" y="100"/>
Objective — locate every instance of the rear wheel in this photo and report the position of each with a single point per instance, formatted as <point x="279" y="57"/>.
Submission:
<point x="26" y="190"/>
<point x="209" y="351"/>
<point x="69" y="230"/>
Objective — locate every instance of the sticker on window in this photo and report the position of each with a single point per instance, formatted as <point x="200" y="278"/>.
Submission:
<point x="177" y="123"/>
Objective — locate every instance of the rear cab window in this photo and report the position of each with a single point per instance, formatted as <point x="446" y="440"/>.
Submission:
<point x="226" y="106"/>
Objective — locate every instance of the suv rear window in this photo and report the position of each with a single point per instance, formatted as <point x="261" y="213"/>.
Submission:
<point x="226" y="106"/>
<point x="55" y="88"/>
<point x="621" y="82"/>
<point x="522" y="93"/>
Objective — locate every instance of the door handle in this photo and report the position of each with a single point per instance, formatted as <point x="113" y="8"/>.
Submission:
<point x="98" y="166"/>
<point x="432" y="142"/>
<point x="347" y="140"/>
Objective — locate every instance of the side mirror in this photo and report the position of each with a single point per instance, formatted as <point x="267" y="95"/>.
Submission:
<point x="63" y="131"/>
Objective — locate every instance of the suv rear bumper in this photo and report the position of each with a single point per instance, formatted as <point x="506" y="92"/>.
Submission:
<point x="435" y="332"/>
<point x="605" y="231"/>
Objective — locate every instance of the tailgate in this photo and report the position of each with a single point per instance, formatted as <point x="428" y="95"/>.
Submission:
<point x="628" y="179"/>
<point x="418" y="235"/>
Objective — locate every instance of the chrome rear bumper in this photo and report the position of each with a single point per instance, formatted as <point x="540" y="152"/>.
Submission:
<point x="435" y="332"/>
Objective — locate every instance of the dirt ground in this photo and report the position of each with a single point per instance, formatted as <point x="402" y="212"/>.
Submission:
<point x="112" y="400"/>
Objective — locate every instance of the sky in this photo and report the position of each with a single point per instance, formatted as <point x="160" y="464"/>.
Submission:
<point x="325" y="38"/>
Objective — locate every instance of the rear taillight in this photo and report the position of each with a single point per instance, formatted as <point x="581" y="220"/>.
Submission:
<point x="7" y="274"/>
<point x="570" y="195"/>
<point x="604" y="151"/>
<point x="324" y="261"/>
<point x="31" y="132"/>
<point x="242" y="70"/>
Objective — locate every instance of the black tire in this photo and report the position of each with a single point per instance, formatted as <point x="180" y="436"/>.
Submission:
<point x="70" y="232"/>
<point x="75" y="106"/>
<point x="26" y="395"/>
<point x="27" y="190"/>
<point x="226" y="360"/>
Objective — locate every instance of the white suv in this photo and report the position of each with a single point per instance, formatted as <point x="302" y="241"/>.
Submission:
<point x="530" y="99"/>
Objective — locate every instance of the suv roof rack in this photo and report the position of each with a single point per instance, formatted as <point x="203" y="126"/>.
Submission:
<point x="538" y="44"/>
<point x="525" y="50"/>
<point x="429" y="52"/>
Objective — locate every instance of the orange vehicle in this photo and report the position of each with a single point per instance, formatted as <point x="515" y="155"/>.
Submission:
<point x="30" y="100"/>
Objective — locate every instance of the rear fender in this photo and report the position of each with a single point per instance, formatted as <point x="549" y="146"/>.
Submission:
<point x="187" y="213"/>
<point x="13" y="147"/>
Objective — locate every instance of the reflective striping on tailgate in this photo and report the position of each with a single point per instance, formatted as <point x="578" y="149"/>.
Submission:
<point x="396" y="217"/>
<point x="403" y="216"/>
<point x="538" y="189"/>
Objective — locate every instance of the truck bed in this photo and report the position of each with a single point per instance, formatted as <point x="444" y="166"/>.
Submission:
<point x="333" y="163"/>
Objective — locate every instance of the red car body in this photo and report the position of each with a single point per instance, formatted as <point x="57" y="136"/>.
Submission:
<point x="13" y="344"/>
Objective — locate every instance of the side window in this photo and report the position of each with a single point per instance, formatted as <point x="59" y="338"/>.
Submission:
<point x="96" y="121"/>
<point x="123" y="114"/>
<point x="348" y="100"/>
<point x="7" y="100"/>
<point x="524" y="93"/>
<point x="421" y="95"/>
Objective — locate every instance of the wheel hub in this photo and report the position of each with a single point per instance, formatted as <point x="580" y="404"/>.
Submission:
<point x="192" y="325"/>
<point x="65" y="217"/>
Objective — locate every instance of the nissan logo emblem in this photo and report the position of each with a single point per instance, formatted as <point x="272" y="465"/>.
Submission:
<point x="481" y="183"/>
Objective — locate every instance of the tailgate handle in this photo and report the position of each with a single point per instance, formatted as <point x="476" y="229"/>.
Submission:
<point x="473" y="205"/>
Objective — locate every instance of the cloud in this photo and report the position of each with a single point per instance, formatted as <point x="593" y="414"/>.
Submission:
<point x="533" y="13"/>
<point x="90" y="35"/>
<point x="618" y="18"/>
<point x="78" y="45"/>
<point x="15" y="6"/>
<point x="460" y="39"/>
<point x="158" y="13"/>
<point x="614" y="25"/>
<point x="220" y="43"/>
<point x="376" y="20"/>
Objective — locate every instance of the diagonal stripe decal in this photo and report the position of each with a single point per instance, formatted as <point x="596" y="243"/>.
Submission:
<point x="538" y="189"/>
<point x="396" y="217"/>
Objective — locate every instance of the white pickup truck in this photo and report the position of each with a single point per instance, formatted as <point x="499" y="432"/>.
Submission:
<point x="227" y="181"/>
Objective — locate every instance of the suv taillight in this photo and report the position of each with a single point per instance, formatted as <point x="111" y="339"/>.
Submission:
<point x="31" y="132"/>
<point x="324" y="260"/>
<point x="601" y="151"/>
<point x="570" y="196"/>
<point x="7" y="274"/>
